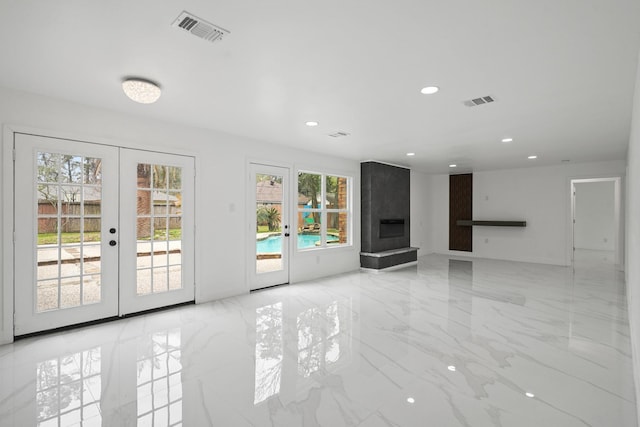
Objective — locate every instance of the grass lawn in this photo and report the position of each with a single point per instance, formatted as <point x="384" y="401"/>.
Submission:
<point x="94" y="236"/>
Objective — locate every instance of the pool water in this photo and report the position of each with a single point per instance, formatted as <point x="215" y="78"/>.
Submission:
<point x="274" y="243"/>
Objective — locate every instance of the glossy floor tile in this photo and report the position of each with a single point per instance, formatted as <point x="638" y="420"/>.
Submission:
<point x="449" y="342"/>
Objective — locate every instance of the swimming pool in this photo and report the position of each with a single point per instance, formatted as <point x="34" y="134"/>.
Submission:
<point x="274" y="243"/>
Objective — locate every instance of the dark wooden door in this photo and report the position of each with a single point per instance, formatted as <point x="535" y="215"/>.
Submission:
<point x="460" y="207"/>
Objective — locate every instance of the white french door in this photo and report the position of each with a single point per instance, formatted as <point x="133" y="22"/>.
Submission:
<point x="156" y="235"/>
<point x="269" y="228"/>
<point x="100" y="231"/>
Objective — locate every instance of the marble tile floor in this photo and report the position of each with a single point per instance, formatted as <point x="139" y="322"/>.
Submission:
<point x="449" y="342"/>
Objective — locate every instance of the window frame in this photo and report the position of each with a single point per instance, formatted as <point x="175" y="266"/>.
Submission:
<point x="324" y="211"/>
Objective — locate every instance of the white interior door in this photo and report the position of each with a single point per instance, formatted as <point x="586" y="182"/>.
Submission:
<point x="100" y="231"/>
<point x="66" y="202"/>
<point x="269" y="227"/>
<point x="157" y="230"/>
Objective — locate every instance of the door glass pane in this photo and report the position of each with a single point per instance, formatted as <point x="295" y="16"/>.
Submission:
<point x="159" y="228"/>
<point x="269" y="197"/>
<point x="69" y="196"/>
<point x="47" y="294"/>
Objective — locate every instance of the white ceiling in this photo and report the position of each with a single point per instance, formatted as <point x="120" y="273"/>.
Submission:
<point x="562" y="72"/>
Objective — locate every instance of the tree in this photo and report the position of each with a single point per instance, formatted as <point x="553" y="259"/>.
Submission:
<point x="309" y="186"/>
<point x="269" y="216"/>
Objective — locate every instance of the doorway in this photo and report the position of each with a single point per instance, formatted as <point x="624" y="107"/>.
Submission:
<point x="269" y="228"/>
<point x="100" y="231"/>
<point x="596" y="222"/>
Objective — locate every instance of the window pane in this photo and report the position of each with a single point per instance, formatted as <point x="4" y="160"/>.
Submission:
<point x="159" y="177"/>
<point x="337" y="227"/>
<point x="309" y="190"/>
<point x="71" y="169"/>
<point x="92" y="200"/>
<point x="47" y="198"/>
<point x="309" y="235"/>
<point x="92" y="171"/>
<point x="144" y="175"/>
<point x="48" y="167"/>
<point x="174" y="178"/>
<point x="336" y="195"/>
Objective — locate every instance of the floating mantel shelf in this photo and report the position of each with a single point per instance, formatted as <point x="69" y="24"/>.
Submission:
<point x="469" y="223"/>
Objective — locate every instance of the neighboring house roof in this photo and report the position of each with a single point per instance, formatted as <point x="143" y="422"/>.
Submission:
<point x="269" y="192"/>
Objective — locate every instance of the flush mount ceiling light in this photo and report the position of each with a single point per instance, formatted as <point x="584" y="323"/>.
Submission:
<point x="312" y="123"/>
<point x="453" y="165"/>
<point x="141" y="90"/>
<point x="529" y="394"/>
<point x="451" y="368"/>
<point x="411" y="154"/>
<point x="429" y="90"/>
<point x="507" y="139"/>
<point x="532" y="157"/>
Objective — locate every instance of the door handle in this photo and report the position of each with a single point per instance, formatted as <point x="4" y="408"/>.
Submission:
<point x="112" y="243"/>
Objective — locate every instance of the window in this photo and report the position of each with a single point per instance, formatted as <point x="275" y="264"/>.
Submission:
<point x="324" y="210"/>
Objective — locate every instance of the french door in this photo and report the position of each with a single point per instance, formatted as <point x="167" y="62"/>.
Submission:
<point x="268" y="226"/>
<point x="100" y="231"/>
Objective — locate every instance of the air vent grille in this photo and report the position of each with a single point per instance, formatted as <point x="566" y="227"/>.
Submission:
<point x="338" y="134"/>
<point x="199" y="27"/>
<point x="479" y="101"/>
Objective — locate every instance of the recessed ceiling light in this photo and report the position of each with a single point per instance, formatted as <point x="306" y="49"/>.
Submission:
<point x="411" y="400"/>
<point x="429" y="90"/>
<point x="507" y="139"/>
<point x="529" y="394"/>
<point x="411" y="154"/>
<point x="451" y="368"/>
<point x="452" y="165"/>
<point x="532" y="157"/>
<point x="141" y="90"/>
<point x="311" y="123"/>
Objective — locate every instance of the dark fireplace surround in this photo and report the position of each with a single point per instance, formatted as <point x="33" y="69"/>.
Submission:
<point x="385" y="212"/>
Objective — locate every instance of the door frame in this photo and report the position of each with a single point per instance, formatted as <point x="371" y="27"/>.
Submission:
<point x="618" y="224"/>
<point x="8" y="208"/>
<point x="250" y="217"/>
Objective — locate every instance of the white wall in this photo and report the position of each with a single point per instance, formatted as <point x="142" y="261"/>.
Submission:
<point x="594" y="215"/>
<point x="421" y="212"/>
<point x="538" y="195"/>
<point x="221" y="187"/>
<point x="633" y="238"/>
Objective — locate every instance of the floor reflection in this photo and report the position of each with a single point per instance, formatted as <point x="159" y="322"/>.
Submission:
<point x="269" y="352"/>
<point x="159" y="382"/>
<point x="68" y="389"/>
<point x="323" y="340"/>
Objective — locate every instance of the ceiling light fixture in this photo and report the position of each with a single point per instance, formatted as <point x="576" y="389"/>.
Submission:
<point x="532" y="157"/>
<point x="451" y="368"/>
<point x="411" y="400"/>
<point x="429" y="90"/>
<point x="141" y="90"/>
<point x="529" y="394"/>
<point x="453" y="165"/>
<point x="411" y="154"/>
<point x="507" y="139"/>
<point x="312" y="123"/>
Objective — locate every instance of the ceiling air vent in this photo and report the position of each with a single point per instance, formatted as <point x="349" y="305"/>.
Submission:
<point x="338" y="134"/>
<point x="479" y="101"/>
<point x="199" y="27"/>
